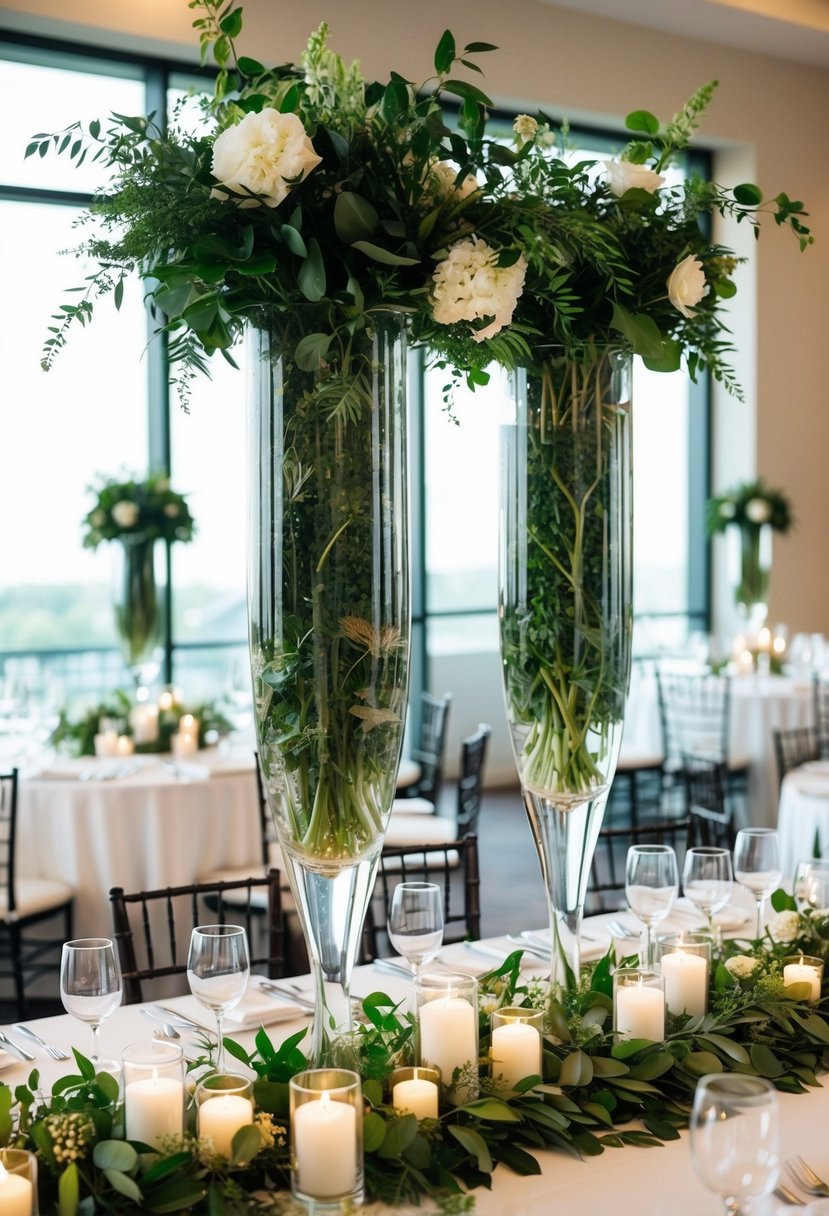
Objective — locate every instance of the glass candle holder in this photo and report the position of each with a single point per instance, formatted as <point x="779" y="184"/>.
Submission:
<point x="447" y="1021"/>
<point x="326" y="1107"/>
<point x="516" y="1043"/>
<point x="153" y="1077"/>
<point x="685" y="960"/>
<point x="416" y="1090"/>
<point x="18" y="1182"/>
<point x="225" y="1104"/>
<point x="804" y="969"/>
<point x="639" y="1003"/>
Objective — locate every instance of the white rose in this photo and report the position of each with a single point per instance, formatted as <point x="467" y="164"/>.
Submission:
<point x="728" y="510"/>
<point x="624" y="175"/>
<point x="98" y="519"/>
<point x="125" y="513"/>
<point x="741" y="966"/>
<point x="687" y="285"/>
<point x="171" y="510"/>
<point x="784" y="927"/>
<point x="468" y="285"/>
<point x="261" y="155"/>
<point x="443" y="174"/>
<point x="758" y="511"/>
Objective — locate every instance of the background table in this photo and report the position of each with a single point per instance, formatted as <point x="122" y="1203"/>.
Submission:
<point x="804" y="812"/>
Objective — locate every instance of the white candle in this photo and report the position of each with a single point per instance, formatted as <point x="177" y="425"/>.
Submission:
<point x="803" y="973"/>
<point x="221" y="1117"/>
<point x="144" y="722"/>
<point x="640" y="1012"/>
<point x="165" y="702"/>
<point x="418" y="1096"/>
<point x="184" y="744"/>
<point x="686" y="982"/>
<point x="106" y="743"/>
<point x="447" y="1034"/>
<point x="325" y="1147"/>
<point x="188" y="725"/>
<point x="16" y="1194"/>
<point x="154" y="1107"/>
<point x="125" y="746"/>
<point x="516" y="1052"/>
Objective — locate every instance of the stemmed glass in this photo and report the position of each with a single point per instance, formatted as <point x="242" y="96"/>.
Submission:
<point x="415" y="924"/>
<point x="651" y="886"/>
<point x="90" y="983"/>
<point x="811" y="884"/>
<point x="218" y="968"/>
<point x="735" y="1138"/>
<point x="707" y="880"/>
<point x="757" y="865"/>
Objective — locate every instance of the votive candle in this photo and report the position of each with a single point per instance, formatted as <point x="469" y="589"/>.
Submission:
<point x="225" y="1105"/>
<point x="685" y="963"/>
<point x="516" y="1043"/>
<point x="638" y="1003"/>
<point x="326" y="1108"/>
<point x="447" y="1015"/>
<point x="415" y="1090"/>
<point x="144" y="723"/>
<point x="804" y="969"/>
<point x="16" y="1194"/>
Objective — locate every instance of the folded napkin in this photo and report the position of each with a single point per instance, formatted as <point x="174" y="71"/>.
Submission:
<point x="7" y="1060"/>
<point x="258" y="1008"/>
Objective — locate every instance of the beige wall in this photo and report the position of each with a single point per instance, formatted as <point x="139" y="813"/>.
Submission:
<point x="769" y="119"/>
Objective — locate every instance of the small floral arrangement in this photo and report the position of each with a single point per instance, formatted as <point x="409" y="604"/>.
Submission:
<point x="147" y="509"/>
<point x="77" y="735"/>
<point x="749" y="505"/>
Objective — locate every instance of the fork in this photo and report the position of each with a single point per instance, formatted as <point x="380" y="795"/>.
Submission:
<point x="787" y="1196"/>
<point x="806" y="1178"/>
<point x="56" y="1053"/>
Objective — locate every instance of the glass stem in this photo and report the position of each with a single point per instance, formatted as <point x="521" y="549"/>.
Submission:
<point x="760" y="917"/>
<point x="220" y="1046"/>
<point x="648" y="943"/>
<point x="95" y="1027"/>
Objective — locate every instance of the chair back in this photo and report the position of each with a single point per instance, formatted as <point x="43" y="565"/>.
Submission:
<point x="431" y="749"/>
<point x="695" y="713"/>
<point x="709" y="816"/>
<point x="794" y="747"/>
<point x="606" y="882"/>
<point x="821" y="701"/>
<point x="453" y="867"/>
<point x="471" y="779"/>
<point x="152" y="928"/>
<point x="8" y="839"/>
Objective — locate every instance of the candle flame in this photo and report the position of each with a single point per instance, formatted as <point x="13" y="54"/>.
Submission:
<point x="325" y="1098"/>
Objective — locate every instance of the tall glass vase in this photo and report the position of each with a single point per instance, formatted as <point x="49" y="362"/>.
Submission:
<point x="566" y="612"/>
<point x="138" y="606"/>
<point x="329" y="624"/>
<point x="752" y="589"/>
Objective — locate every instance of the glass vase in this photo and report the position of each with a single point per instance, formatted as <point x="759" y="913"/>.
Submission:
<point x="566" y="612"/>
<point x="752" y="589"/>
<point x="138" y="606"/>
<point x="329" y="625"/>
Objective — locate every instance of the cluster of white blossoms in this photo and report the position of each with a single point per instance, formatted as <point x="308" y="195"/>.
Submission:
<point x="741" y="966"/>
<point x="443" y="178"/>
<point x="469" y="285"/>
<point x="265" y="154"/>
<point x="125" y="513"/>
<point x="71" y="1135"/>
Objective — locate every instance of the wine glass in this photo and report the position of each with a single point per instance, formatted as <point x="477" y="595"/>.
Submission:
<point x="651" y="886"/>
<point x="90" y="983"/>
<point x="735" y="1138"/>
<point x="707" y="880"/>
<point x="811" y="884"/>
<point x="757" y="865"/>
<point x="415" y="924"/>
<point x="218" y="968"/>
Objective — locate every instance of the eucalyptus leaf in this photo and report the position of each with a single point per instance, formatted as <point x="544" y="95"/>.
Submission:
<point x="311" y="277"/>
<point x="474" y="1143"/>
<point x="124" y="1185"/>
<point x="355" y="218"/>
<point x="378" y="254"/>
<point x="115" y="1155"/>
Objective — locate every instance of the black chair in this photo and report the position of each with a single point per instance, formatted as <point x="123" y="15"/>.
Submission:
<point x="695" y="713"/>
<point x="709" y="816"/>
<point x="155" y="941"/>
<point x="25" y="902"/>
<point x="821" y="699"/>
<point x="795" y="746"/>
<point x="429" y="754"/>
<point x="606" y="882"/>
<point x="452" y="866"/>
<point x="471" y="779"/>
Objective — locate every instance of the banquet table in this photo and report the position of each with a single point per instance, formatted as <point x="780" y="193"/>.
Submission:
<point x="803" y="813"/>
<point x="652" y="1182"/>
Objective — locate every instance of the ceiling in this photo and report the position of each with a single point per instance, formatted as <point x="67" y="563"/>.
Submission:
<point x="789" y="29"/>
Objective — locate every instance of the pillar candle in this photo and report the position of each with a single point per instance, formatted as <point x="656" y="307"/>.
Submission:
<point x="184" y="744"/>
<point x="221" y="1117"/>
<point x="325" y="1147"/>
<point x="447" y="1034"/>
<point x="144" y="722"/>
<point x="418" y="1096"/>
<point x="686" y="983"/>
<point x="153" y="1107"/>
<point x="16" y="1194"/>
<point x="516" y="1052"/>
<point x="106" y="743"/>
<point x="640" y="1012"/>
<point x="125" y="746"/>
<point x="803" y="973"/>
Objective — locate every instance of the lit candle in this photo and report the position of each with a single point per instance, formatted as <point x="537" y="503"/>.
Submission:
<point x="325" y="1147"/>
<point x="686" y="983"/>
<point x="16" y="1194"/>
<point x="144" y="723"/>
<point x="154" y="1107"/>
<point x="188" y="725"/>
<point x="764" y="639"/>
<point x="221" y="1117"/>
<point x="640" y="1012"/>
<point x="804" y="971"/>
<point x="165" y="702"/>
<point x="106" y="743"/>
<point x="516" y="1052"/>
<point x="779" y="646"/>
<point x="417" y="1095"/>
<point x="745" y="662"/>
<point x="125" y="746"/>
<point x="184" y="745"/>
<point x="447" y="1034"/>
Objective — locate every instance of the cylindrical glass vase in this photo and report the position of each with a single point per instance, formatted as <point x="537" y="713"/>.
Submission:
<point x="138" y="606"/>
<point x="329" y="622"/>
<point x="566" y="612"/>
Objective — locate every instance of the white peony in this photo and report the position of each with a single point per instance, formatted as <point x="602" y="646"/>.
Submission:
<point x="687" y="285"/>
<point x="262" y="155"/>
<point x="624" y="175"/>
<point x="126" y="513"/>
<point x="758" y="511"/>
<point x="171" y="509"/>
<point x="469" y="285"/>
<point x="784" y="927"/>
<point x="443" y="175"/>
<point x="741" y="966"/>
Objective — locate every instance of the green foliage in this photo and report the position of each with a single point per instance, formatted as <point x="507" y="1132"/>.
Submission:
<point x="77" y="736"/>
<point x="143" y="510"/>
<point x="749" y="506"/>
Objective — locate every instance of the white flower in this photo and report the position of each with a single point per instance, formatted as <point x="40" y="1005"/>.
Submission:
<point x="741" y="966"/>
<point x="784" y="927"/>
<point x="126" y="513"/>
<point x="525" y="127"/>
<point x="443" y="174"/>
<point x="263" y="154"/>
<point x="687" y="285"/>
<point x="171" y="509"/>
<point x="758" y="511"/>
<point x="469" y="285"/>
<point x="98" y="519"/>
<point x="727" y="510"/>
<point x="624" y="175"/>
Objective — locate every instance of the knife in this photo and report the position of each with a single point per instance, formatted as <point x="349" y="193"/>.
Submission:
<point x="388" y="964"/>
<point x="183" y="1020"/>
<point x="19" y="1051"/>
<point x="291" y="998"/>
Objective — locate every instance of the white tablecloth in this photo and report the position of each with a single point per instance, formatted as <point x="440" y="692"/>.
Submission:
<point x="804" y="811"/>
<point x="759" y="705"/>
